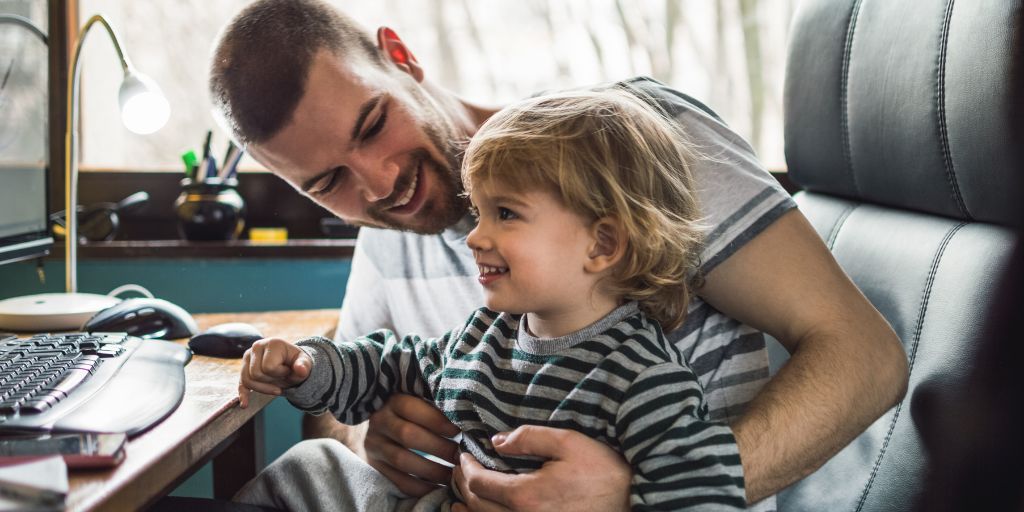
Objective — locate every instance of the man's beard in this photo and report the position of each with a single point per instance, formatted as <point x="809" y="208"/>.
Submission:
<point x="447" y="205"/>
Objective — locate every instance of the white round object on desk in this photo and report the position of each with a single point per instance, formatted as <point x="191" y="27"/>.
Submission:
<point x="51" y="311"/>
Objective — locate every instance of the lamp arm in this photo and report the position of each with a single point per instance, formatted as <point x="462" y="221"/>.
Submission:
<point x="71" y="150"/>
<point x="14" y="19"/>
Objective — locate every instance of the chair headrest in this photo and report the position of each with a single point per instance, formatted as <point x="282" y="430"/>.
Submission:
<point x="908" y="104"/>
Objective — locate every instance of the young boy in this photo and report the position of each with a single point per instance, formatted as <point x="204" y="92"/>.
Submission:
<point x="587" y="239"/>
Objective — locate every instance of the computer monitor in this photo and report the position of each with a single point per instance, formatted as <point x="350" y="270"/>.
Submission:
<point x="24" y="230"/>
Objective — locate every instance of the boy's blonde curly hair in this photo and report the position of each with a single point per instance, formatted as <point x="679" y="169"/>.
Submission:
<point x="606" y="153"/>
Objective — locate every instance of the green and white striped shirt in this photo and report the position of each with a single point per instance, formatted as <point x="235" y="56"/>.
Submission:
<point x="618" y="381"/>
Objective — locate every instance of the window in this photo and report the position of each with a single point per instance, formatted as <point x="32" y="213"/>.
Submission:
<point x="23" y="82"/>
<point x="728" y="53"/>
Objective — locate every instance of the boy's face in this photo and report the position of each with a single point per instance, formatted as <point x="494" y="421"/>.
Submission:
<point x="530" y="250"/>
<point x="366" y="143"/>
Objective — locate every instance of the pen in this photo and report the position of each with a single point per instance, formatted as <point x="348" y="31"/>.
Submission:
<point x="230" y="168"/>
<point x="210" y="167"/>
<point x="233" y="170"/>
<point x="206" y="144"/>
<point x="204" y="171"/>
<point x="222" y="173"/>
<point x="191" y="164"/>
<point x="227" y="154"/>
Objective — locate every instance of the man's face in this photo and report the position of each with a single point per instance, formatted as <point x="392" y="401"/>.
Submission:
<point x="367" y="144"/>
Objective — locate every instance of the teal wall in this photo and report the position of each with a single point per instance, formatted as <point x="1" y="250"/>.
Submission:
<point x="207" y="286"/>
<point x="199" y="286"/>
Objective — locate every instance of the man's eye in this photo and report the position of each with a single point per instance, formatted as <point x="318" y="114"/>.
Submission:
<point x="474" y="212"/>
<point x="377" y="127"/>
<point x="326" y="184"/>
<point x="506" y="214"/>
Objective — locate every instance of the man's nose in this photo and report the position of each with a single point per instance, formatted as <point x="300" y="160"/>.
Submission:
<point x="377" y="177"/>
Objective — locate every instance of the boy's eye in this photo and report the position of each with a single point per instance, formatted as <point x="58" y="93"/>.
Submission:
<point x="506" y="214"/>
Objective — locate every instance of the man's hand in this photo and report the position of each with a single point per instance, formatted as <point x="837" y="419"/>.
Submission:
<point x="410" y="423"/>
<point x="581" y="474"/>
<point x="271" y="365"/>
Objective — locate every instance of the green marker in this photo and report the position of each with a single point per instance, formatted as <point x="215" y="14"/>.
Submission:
<point x="191" y="163"/>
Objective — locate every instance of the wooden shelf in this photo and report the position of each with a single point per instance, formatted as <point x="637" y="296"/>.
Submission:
<point x="172" y="249"/>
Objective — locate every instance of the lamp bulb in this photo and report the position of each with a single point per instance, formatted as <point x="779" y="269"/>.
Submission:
<point x="144" y="109"/>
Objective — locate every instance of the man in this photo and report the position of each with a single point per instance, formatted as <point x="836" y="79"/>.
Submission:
<point x="354" y="124"/>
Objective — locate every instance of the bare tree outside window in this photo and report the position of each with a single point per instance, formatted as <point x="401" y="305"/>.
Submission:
<point x="728" y="53"/>
<point x="23" y="86"/>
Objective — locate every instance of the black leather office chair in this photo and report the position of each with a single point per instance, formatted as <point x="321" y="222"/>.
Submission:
<point x="899" y="128"/>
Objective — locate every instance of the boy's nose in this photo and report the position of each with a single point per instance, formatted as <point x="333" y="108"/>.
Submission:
<point x="476" y="239"/>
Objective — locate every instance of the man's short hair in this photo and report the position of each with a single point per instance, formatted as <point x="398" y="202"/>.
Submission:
<point x="262" y="59"/>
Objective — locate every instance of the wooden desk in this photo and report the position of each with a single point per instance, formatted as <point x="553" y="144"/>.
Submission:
<point x="208" y="424"/>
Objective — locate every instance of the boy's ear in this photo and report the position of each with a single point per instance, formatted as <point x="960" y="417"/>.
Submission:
<point x="399" y="55"/>
<point x="608" y="247"/>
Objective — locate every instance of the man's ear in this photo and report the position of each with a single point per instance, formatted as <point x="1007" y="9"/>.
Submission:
<point x="399" y="55"/>
<point x="608" y="245"/>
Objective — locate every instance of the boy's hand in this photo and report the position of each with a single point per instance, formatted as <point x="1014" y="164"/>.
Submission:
<point x="270" y="366"/>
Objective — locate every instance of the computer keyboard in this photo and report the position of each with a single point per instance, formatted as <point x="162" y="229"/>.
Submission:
<point x="88" y="382"/>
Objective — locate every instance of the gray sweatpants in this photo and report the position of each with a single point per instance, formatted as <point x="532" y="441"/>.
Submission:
<point x="322" y="474"/>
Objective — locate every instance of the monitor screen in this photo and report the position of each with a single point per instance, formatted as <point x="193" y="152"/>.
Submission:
<point x="23" y="226"/>
<point x="24" y="229"/>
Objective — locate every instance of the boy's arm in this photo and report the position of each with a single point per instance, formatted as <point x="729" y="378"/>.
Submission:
<point x="354" y="379"/>
<point x="679" y="460"/>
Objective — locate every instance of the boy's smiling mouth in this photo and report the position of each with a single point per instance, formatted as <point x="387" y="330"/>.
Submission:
<point x="489" y="274"/>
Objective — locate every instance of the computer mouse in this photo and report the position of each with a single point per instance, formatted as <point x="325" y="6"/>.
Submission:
<point x="145" y="318"/>
<point x="225" y="340"/>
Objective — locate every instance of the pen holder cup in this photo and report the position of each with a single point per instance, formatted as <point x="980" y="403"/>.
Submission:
<point x="210" y="210"/>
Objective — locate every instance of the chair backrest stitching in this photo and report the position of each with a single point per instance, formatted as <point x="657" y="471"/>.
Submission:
<point x="834" y="233"/>
<point x="941" y="110"/>
<point x="912" y="357"/>
<point x="844" y="92"/>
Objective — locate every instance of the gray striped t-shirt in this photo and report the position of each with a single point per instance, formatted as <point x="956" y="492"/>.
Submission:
<point x="618" y="381"/>
<point x="426" y="284"/>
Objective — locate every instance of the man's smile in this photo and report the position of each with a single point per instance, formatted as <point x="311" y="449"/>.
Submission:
<point x="408" y="192"/>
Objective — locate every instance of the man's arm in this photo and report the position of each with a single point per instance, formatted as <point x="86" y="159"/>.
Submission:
<point x="847" y="365"/>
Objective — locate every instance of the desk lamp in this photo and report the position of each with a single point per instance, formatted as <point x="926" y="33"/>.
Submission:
<point x="144" y="110"/>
